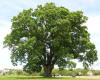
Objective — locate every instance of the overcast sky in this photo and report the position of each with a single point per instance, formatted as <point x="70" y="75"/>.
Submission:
<point x="10" y="8"/>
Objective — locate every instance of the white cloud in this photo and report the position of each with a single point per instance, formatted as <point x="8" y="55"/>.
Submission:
<point x="4" y="28"/>
<point x="11" y="5"/>
<point x="5" y="61"/>
<point x="88" y="1"/>
<point x="93" y="24"/>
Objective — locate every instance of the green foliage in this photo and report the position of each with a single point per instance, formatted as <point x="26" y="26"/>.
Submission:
<point x="11" y="72"/>
<point x="16" y="72"/>
<point x="0" y="71"/>
<point x="20" y="72"/>
<point x="96" y="72"/>
<point x="47" y="36"/>
<point x="68" y="72"/>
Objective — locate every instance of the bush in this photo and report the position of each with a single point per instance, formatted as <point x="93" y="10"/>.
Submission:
<point x="96" y="72"/>
<point x="66" y="72"/>
<point x="11" y="72"/>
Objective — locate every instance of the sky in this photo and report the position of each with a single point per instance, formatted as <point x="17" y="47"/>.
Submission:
<point x="10" y="8"/>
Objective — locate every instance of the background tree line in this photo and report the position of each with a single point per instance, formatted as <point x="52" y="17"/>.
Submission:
<point x="57" y="72"/>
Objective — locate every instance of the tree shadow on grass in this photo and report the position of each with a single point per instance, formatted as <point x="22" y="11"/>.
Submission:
<point x="37" y="78"/>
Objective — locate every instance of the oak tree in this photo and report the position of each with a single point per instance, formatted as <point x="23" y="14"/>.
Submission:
<point x="48" y="36"/>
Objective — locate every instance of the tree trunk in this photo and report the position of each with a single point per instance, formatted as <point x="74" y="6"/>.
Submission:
<point x="48" y="70"/>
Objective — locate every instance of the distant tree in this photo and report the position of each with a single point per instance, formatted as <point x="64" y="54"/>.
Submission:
<point x="49" y="36"/>
<point x="20" y="72"/>
<point x="10" y="72"/>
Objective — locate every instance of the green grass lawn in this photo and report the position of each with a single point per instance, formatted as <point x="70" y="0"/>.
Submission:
<point x="37" y="78"/>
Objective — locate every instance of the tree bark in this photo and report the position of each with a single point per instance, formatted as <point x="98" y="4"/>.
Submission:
<point x="48" y="70"/>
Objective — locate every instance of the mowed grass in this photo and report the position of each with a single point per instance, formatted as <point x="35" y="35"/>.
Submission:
<point x="37" y="78"/>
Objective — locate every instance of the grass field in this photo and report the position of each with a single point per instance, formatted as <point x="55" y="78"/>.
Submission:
<point x="38" y="78"/>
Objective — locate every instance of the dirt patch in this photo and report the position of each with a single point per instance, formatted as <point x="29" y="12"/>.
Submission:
<point x="89" y="77"/>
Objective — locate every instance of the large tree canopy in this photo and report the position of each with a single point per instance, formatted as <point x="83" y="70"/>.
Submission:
<point x="49" y="36"/>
